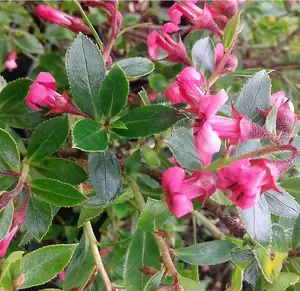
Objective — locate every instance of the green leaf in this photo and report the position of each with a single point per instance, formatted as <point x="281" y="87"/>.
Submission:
<point x="158" y="82"/>
<point x="296" y="234"/>
<point x="220" y="198"/>
<point x="203" y="55"/>
<point x="230" y="31"/>
<point x="248" y="72"/>
<point x="257" y="220"/>
<point x="44" y="264"/>
<point x="237" y="278"/>
<point x="63" y="170"/>
<point x="252" y="273"/>
<point x="154" y="281"/>
<point x="56" y="192"/>
<point x="114" y="92"/>
<point x="89" y="136"/>
<point x="136" y="67"/>
<point x="256" y="93"/>
<point x="48" y="138"/>
<point x="205" y="254"/>
<point x="86" y="214"/>
<point x="38" y="217"/>
<point x="153" y="216"/>
<point x="181" y="144"/>
<point x="6" y="218"/>
<point x="148" y="120"/>
<point x="105" y="175"/>
<point x="27" y="42"/>
<point x="13" y="110"/>
<point x="86" y="71"/>
<point x="82" y="263"/>
<point x="143" y="251"/>
<point x="279" y="243"/>
<point x="283" y="281"/>
<point x="282" y="204"/>
<point x="133" y="163"/>
<point x="189" y="284"/>
<point x="270" y="124"/>
<point x="150" y="157"/>
<point x="9" y="154"/>
<point x="292" y="185"/>
<point x="130" y="19"/>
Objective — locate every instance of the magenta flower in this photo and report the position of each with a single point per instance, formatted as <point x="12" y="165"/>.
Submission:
<point x="42" y="94"/>
<point x="231" y="63"/>
<point x="10" y="63"/>
<point x="72" y="23"/>
<point x="163" y="41"/>
<point x="4" y="244"/>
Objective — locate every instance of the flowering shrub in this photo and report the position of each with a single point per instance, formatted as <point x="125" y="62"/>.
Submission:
<point x="99" y="177"/>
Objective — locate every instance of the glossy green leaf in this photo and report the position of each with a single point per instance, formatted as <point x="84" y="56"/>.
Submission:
<point x="153" y="216"/>
<point x="114" y="92"/>
<point x="230" y="31"/>
<point x="86" y="214"/>
<point x="256" y="93"/>
<point x="148" y="120"/>
<point x="149" y="156"/>
<point x="9" y="154"/>
<point x="189" y="284"/>
<point x="136" y="67"/>
<point x="283" y="281"/>
<point x="6" y="218"/>
<point x="181" y="144"/>
<point x="38" y="217"/>
<point x="13" y="110"/>
<point x="88" y="135"/>
<point x="292" y="185"/>
<point x="257" y="220"/>
<point x="105" y="175"/>
<point x="48" y="138"/>
<point x="56" y="192"/>
<point x="28" y="42"/>
<point x="86" y="71"/>
<point x="296" y="234"/>
<point x="203" y="54"/>
<point x="205" y="254"/>
<point x="143" y="251"/>
<point x="63" y="170"/>
<point x="47" y="262"/>
<point x="82" y="263"/>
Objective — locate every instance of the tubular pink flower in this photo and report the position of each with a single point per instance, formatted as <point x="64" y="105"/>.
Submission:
<point x="163" y="41"/>
<point x="231" y="63"/>
<point x="72" y="23"/>
<point x="4" y="244"/>
<point x="10" y="63"/>
<point x="42" y="94"/>
<point x="226" y="7"/>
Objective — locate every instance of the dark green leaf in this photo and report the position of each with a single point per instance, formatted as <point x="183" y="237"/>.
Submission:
<point x="150" y="157"/>
<point x="256" y="93"/>
<point x="203" y="54"/>
<point x="86" y="71"/>
<point x="105" y="175"/>
<point x="86" y="214"/>
<point x="48" y="138"/>
<point x="56" y="192"/>
<point x="292" y="185"/>
<point x="9" y="154"/>
<point x="81" y="267"/>
<point x="181" y="144"/>
<point x="153" y="216"/>
<point x="279" y="243"/>
<point x="231" y="30"/>
<point x="158" y="82"/>
<point x="133" y="163"/>
<point x="205" y="254"/>
<point x="63" y="170"/>
<point x="42" y="265"/>
<point x="13" y="109"/>
<point x="27" y="42"/>
<point x="89" y="136"/>
<point x="148" y="120"/>
<point x="136" y="67"/>
<point x="38" y="217"/>
<point x="6" y="218"/>
<point x="296" y="234"/>
<point x="142" y="252"/>
<point x="114" y="92"/>
<point x="257" y="220"/>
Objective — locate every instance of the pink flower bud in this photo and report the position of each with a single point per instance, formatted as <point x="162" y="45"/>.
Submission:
<point x="226" y="7"/>
<point x="42" y="94"/>
<point x="4" y="244"/>
<point x="231" y="63"/>
<point x="10" y="63"/>
<point x="163" y="41"/>
<point x="72" y="23"/>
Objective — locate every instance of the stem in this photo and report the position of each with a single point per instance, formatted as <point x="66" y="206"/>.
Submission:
<point x="98" y="261"/>
<point x="9" y="173"/>
<point x="137" y="193"/>
<point x="90" y="25"/>
<point x="216" y="233"/>
<point x="195" y="270"/>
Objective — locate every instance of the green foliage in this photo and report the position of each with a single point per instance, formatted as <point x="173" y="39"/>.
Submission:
<point x="136" y="67"/>
<point x="6" y="218"/>
<point x="231" y="30"/>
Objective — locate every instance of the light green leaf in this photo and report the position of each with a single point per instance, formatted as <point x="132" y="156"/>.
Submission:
<point x="136" y="67"/>
<point x="149" y="156"/>
<point x="6" y="218"/>
<point x="28" y="42"/>
<point x="283" y="281"/>
<point x="296" y="234"/>
<point x="292" y="185"/>
<point x="271" y="120"/>
<point x="189" y="284"/>
<point x="230" y="31"/>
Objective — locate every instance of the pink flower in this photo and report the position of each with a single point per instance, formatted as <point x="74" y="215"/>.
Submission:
<point x="4" y="244"/>
<point x="42" y="94"/>
<point x="163" y="41"/>
<point x="231" y="63"/>
<point x="226" y="7"/>
<point x="10" y="63"/>
<point x="72" y="23"/>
